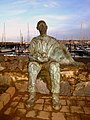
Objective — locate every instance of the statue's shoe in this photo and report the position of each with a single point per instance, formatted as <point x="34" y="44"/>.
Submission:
<point x="56" y="102"/>
<point x="56" y="106"/>
<point x="31" y="100"/>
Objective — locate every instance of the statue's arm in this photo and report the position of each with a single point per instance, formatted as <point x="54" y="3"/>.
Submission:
<point x="67" y="53"/>
<point x="69" y="57"/>
<point x="59" y="53"/>
<point x="32" y="50"/>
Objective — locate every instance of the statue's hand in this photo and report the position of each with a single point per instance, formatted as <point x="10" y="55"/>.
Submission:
<point x="78" y="63"/>
<point x="43" y="57"/>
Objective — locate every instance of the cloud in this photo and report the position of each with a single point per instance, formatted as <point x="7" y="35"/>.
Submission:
<point x="59" y="17"/>
<point x="50" y="4"/>
<point x="27" y="3"/>
<point x="52" y="18"/>
<point x="16" y="12"/>
<point x="10" y="10"/>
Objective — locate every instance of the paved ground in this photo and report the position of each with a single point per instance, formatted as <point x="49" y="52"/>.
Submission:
<point x="73" y="108"/>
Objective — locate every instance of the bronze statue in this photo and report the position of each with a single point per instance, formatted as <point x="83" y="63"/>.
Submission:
<point x="44" y="49"/>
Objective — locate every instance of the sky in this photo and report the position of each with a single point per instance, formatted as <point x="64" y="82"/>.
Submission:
<point x="66" y="19"/>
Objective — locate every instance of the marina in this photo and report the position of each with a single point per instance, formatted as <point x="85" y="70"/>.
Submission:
<point x="76" y="48"/>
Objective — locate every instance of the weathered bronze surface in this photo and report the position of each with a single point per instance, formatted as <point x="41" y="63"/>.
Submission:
<point x="46" y="49"/>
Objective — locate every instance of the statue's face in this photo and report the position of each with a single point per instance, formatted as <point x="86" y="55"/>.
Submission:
<point x="42" y="28"/>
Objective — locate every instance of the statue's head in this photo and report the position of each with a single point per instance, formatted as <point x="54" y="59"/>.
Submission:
<point x="42" y="27"/>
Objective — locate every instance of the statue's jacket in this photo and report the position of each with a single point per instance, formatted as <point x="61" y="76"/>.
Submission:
<point x="46" y="48"/>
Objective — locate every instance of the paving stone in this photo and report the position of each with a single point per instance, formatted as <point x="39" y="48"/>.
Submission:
<point x="79" y="111"/>
<point x="47" y="108"/>
<point x="63" y="102"/>
<point x="73" y="116"/>
<point x="48" y="101"/>
<point x="25" y="98"/>
<point x="13" y="104"/>
<point x="16" y="118"/>
<point x="38" y="107"/>
<point x="73" y="102"/>
<point x="40" y="101"/>
<point x="26" y="119"/>
<point x="11" y="91"/>
<point x="46" y="97"/>
<point x="20" y="112"/>
<point x="63" y="97"/>
<point x="68" y="102"/>
<point x="44" y="115"/>
<point x="65" y="109"/>
<point x="85" y="117"/>
<point x="17" y="98"/>
<point x="76" y="109"/>
<point x="88" y="98"/>
<point x="31" y="114"/>
<point x="81" y="98"/>
<point x="20" y="105"/>
<point x="87" y="110"/>
<point x="21" y="86"/>
<point x="9" y="111"/>
<point x="72" y="97"/>
<point x="81" y="103"/>
<point x="5" y="98"/>
<point x="1" y="105"/>
<point x="58" y="116"/>
<point x="88" y="103"/>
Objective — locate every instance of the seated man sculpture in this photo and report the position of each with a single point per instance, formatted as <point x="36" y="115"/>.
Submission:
<point x="44" y="49"/>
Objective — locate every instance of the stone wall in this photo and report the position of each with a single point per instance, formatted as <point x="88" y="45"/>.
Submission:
<point x="74" y="80"/>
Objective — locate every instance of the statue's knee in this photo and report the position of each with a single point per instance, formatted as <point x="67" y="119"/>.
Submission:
<point x="54" y="65"/>
<point x="34" y="66"/>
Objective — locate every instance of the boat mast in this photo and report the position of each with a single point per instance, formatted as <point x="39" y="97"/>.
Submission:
<point x="4" y="34"/>
<point x="28" y="33"/>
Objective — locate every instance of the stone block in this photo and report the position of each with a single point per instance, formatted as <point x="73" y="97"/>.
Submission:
<point x="20" y="112"/>
<point x="42" y="87"/>
<point x="68" y="74"/>
<point x="82" y="77"/>
<point x="13" y="104"/>
<point x="65" y="109"/>
<point x="82" y="89"/>
<point x="38" y="107"/>
<point x="21" y="86"/>
<point x="1" y="105"/>
<point x="5" y="97"/>
<point x="47" y="108"/>
<point x="44" y="115"/>
<point x="87" y="110"/>
<point x="63" y="102"/>
<point x="58" y="116"/>
<point x="40" y="101"/>
<point x="11" y="91"/>
<point x="6" y="80"/>
<point x="72" y="81"/>
<point x="31" y="114"/>
<point x="1" y="67"/>
<point x="16" y="118"/>
<point x="65" y="88"/>
<point x="76" y="109"/>
<point x="20" y="105"/>
<point x="48" y="101"/>
<point x="9" y="111"/>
